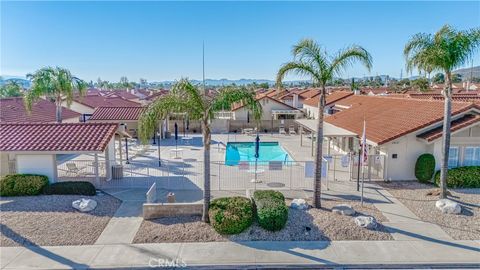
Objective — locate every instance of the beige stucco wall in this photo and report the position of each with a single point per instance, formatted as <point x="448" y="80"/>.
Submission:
<point x="78" y="107"/>
<point x="37" y="164"/>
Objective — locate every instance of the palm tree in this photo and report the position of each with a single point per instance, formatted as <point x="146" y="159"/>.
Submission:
<point x="320" y="67"/>
<point x="444" y="51"/>
<point x="54" y="83"/>
<point x="198" y="105"/>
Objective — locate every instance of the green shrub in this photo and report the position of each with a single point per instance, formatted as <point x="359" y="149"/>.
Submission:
<point x="231" y="215"/>
<point x="71" y="188"/>
<point x="271" y="210"/>
<point x="461" y="177"/>
<point x="22" y="184"/>
<point x="425" y="167"/>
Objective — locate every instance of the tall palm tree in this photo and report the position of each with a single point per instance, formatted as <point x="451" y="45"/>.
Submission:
<point x="198" y="105"/>
<point x="310" y="61"/>
<point x="444" y="51"/>
<point x="54" y="83"/>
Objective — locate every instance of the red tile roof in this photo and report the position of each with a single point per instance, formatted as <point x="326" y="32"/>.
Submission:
<point x="13" y="110"/>
<point x="390" y="118"/>
<point x="457" y="124"/>
<point x="258" y="98"/>
<point x="117" y="113"/>
<point x="155" y="95"/>
<point x="330" y="99"/>
<point x="68" y="137"/>
<point x="95" y="101"/>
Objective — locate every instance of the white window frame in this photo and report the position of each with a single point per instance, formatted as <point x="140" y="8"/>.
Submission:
<point x="457" y="157"/>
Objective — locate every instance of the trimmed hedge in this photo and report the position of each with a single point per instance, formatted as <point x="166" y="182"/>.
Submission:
<point x="271" y="210"/>
<point x="71" y="188"/>
<point x="461" y="177"/>
<point x="425" y="167"/>
<point x="231" y="215"/>
<point x="22" y="184"/>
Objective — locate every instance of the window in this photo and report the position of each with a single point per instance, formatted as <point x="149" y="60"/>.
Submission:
<point x="453" y="157"/>
<point x="471" y="156"/>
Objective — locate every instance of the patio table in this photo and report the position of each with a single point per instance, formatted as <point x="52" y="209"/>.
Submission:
<point x="176" y="152"/>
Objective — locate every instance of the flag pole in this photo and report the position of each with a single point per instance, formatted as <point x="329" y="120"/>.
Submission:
<point x="364" y="148"/>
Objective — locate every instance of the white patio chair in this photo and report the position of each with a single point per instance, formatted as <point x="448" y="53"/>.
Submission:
<point x="72" y="169"/>
<point x="281" y="130"/>
<point x="291" y="130"/>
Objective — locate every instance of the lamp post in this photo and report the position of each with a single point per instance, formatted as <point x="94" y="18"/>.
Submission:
<point x="126" y="150"/>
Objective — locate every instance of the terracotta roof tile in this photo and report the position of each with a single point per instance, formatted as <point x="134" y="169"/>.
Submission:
<point x="13" y="110"/>
<point x="330" y="99"/>
<point x="117" y="113"/>
<point x="95" y="101"/>
<point x="69" y="137"/>
<point x="389" y="118"/>
<point x="456" y="124"/>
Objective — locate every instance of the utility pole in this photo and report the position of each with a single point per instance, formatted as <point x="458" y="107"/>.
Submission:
<point x="203" y="68"/>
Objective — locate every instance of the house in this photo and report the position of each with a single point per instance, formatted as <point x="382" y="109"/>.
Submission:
<point x="311" y="105"/>
<point x="87" y="104"/>
<point x="402" y="129"/>
<point x="34" y="147"/>
<point x="125" y="116"/>
<point x="272" y="108"/>
<point x="13" y="110"/>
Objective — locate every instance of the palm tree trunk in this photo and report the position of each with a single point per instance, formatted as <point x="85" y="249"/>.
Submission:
<point x="206" y="168"/>
<point x="446" y="135"/>
<point x="58" y="112"/>
<point x="319" y="154"/>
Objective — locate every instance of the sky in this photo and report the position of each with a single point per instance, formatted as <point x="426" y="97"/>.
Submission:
<point x="163" y="40"/>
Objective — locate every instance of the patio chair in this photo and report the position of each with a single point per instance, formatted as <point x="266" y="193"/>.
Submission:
<point x="291" y="130"/>
<point x="281" y="130"/>
<point x="72" y="169"/>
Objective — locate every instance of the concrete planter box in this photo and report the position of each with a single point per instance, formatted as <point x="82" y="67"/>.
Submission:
<point x="158" y="210"/>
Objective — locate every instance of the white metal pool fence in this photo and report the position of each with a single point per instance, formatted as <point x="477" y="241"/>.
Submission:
<point x="189" y="174"/>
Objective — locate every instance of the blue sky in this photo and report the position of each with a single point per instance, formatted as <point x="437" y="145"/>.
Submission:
<point x="163" y="40"/>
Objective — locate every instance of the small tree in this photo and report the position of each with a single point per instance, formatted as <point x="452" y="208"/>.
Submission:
<point x="10" y="89"/>
<point x="425" y="167"/>
<point x="55" y="83"/>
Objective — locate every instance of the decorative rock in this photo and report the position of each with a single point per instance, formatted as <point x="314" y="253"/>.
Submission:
<point x="299" y="204"/>
<point x="448" y="206"/>
<point x="343" y="209"/>
<point x="366" y="222"/>
<point x="84" y="205"/>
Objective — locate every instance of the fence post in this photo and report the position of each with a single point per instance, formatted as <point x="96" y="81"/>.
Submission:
<point x="219" y="164"/>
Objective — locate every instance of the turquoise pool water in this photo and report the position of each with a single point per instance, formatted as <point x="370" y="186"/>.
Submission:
<point x="245" y="151"/>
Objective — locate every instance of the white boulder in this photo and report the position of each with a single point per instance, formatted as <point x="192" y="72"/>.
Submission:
<point x="367" y="222"/>
<point x="84" y="205"/>
<point x="448" y="206"/>
<point x="299" y="204"/>
<point x="343" y="209"/>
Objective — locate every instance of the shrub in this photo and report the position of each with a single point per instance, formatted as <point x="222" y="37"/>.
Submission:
<point x="22" y="184"/>
<point x="461" y="177"/>
<point x="71" y="188"/>
<point x="425" y="167"/>
<point x="231" y="215"/>
<point x="271" y="210"/>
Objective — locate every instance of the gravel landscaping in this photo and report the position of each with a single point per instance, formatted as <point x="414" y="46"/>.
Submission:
<point x="313" y="224"/>
<point x="465" y="226"/>
<point x="50" y="220"/>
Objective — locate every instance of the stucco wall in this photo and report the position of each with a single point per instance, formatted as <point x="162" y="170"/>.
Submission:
<point x="267" y="106"/>
<point x="78" y="107"/>
<point x="407" y="148"/>
<point x="37" y="164"/>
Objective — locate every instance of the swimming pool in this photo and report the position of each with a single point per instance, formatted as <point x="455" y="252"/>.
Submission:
<point x="245" y="151"/>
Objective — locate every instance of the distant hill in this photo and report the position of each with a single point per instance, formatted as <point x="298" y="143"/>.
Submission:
<point x="6" y="79"/>
<point x="465" y="72"/>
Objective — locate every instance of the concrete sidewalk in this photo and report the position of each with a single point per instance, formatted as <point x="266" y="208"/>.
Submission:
<point x="254" y="254"/>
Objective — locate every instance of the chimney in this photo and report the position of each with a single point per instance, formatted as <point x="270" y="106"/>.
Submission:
<point x="295" y="101"/>
<point x="468" y="86"/>
<point x="464" y="85"/>
<point x="356" y="92"/>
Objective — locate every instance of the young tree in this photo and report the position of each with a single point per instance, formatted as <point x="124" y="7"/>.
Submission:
<point x="55" y="83"/>
<point x="11" y="89"/>
<point x="444" y="51"/>
<point x="198" y="105"/>
<point x="312" y="61"/>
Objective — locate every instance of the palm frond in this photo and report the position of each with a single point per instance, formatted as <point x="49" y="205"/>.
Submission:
<point x="227" y="97"/>
<point x="346" y="58"/>
<point x="298" y="68"/>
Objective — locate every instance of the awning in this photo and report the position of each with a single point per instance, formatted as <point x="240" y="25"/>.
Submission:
<point x="329" y="130"/>
<point x="286" y="112"/>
